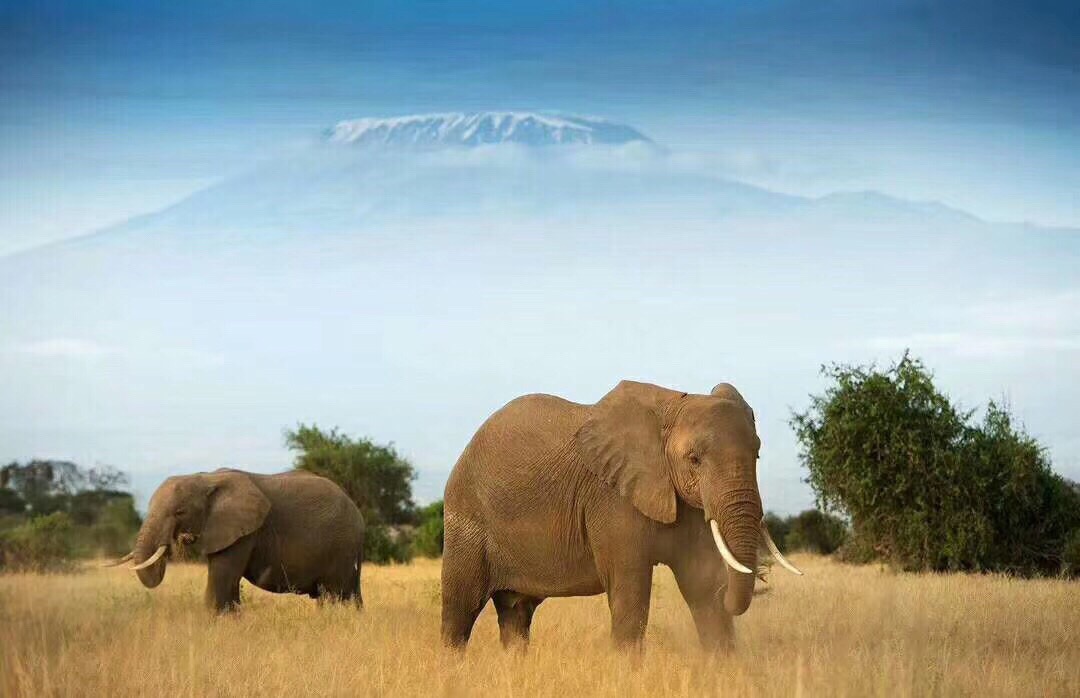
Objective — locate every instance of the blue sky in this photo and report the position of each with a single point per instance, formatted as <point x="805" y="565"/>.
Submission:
<point x="108" y="109"/>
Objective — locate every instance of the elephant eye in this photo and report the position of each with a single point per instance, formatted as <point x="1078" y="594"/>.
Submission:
<point x="694" y="459"/>
<point x="181" y="511"/>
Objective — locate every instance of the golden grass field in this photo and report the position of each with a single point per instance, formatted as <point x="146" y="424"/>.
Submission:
<point x="840" y="630"/>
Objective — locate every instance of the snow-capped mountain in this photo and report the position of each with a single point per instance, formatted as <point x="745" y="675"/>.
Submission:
<point x="483" y="128"/>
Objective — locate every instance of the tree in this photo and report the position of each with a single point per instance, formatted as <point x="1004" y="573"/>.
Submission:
<point x="50" y="485"/>
<point x="376" y="477"/>
<point x="927" y="486"/>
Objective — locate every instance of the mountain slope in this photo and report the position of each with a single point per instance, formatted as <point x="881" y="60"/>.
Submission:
<point x="408" y="292"/>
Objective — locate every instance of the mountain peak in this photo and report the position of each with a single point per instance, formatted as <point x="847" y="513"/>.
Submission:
<point x="483" y="128"/>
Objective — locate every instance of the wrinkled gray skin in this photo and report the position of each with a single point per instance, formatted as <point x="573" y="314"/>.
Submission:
<point x="294" y="532"/>
<point x="555" y="498"/>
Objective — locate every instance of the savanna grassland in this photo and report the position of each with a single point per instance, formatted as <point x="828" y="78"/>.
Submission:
<point x="839" y="630"/>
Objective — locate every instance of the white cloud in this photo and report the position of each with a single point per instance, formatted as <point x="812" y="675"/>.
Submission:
<point x="1000" y="328"/>
<point x="64" y="348"/>
<point x="87" y="350"/>
<point x="974" y="344"/>
<point x="1053" y="312"/>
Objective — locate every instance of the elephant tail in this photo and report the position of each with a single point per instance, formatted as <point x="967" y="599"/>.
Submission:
<point x="356" y="580"/>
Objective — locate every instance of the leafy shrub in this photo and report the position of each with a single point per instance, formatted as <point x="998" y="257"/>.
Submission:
<point x="816" y="532"/>
<point x="778" y="529"/>
<point x="43" y="544"/>
<point x="384" y="544"/>
<point x="428" y="537"/>
<point x="926" y="486"/>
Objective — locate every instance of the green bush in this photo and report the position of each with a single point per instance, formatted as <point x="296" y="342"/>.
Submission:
<point x="428" y="537"/>
<point x="43" y="544"/>
<point x="816" y="532"/>
<point x="778" y="529"/>
<point x="383" y="545"/>
<point x="926" y="486"/>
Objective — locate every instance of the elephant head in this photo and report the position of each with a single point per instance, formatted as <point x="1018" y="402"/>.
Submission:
<point x="213" y="510"/>
<point x="653" y="445"/>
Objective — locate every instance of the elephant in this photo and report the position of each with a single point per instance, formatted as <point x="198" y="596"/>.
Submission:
<point x="291" y="532"/>
<point x="554" y="498"/>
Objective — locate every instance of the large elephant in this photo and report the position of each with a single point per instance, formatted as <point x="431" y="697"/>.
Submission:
<point x="294" y="532"/>
<point x="556" y="498"/>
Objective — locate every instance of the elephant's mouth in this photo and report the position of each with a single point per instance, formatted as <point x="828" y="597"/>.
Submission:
<point x="178" y="541"/>
<point x="729" y="558"/>
<point x="733" y="605"/>
<point x="158" y="554"/>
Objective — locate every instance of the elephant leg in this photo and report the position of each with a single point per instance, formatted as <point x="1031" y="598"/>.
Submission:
<point x="345" y="587"/>
<point x="350" y="586"/>
<point x="703" y="594"/>
<point x="224" y="570"/>
<point x="715" y="629"/>
<point x="465" y="583"/>
<point x="628" y="595"/>
<point x="458" y="617"/>
<point x="515" y="617"/>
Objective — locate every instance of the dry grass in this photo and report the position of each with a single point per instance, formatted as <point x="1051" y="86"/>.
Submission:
<point x="838" y="631"/>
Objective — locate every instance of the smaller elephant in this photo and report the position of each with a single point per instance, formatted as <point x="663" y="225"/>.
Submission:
<point x="292" y="532"/>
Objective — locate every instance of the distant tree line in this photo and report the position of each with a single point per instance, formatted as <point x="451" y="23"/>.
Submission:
<point x="52" y="512"/>
<point x="926" y="485"/>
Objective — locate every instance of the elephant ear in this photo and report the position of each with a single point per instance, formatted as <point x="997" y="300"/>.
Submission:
<point x="236" y="508"/>
<point x="622" y="444"/>
<point x="728" y="392"/>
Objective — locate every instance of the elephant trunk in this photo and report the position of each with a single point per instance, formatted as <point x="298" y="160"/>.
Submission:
<point x="737" y="512"/>
<point x="152" y="536"/>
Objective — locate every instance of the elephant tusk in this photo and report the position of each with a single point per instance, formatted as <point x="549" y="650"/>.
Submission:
<point x="776" y="551"/>
<point x="152" y="559"/>
<point x="117" y="563"/>
<point x="724" y="552"/>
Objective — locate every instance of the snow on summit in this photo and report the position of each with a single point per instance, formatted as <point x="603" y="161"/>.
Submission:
<point x="483" y="128"/>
